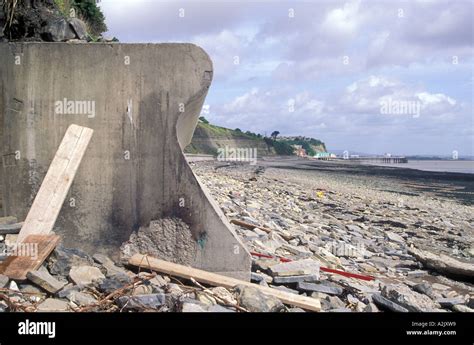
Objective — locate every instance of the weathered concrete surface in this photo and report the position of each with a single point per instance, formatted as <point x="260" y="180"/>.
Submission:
<point x="146" y="102"/>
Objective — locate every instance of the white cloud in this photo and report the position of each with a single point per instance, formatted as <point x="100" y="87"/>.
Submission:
<point x="343" y="21"/>
<point x="408" y="58"/>
<point x="434" y="98"/>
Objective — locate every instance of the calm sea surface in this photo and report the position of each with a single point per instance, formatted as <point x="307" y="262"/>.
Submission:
<point x="451" y="166"/>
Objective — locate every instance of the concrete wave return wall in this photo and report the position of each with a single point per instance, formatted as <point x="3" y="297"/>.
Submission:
<point x="143" y="102"/>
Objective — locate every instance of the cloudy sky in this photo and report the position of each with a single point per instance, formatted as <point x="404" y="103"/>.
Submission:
<point x="370" y="76"/>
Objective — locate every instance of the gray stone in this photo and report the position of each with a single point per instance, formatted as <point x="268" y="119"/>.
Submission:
<point x="319" y="295"/>
<point x="339" y="310"/>
<point x="254" y="300"/>
<point x="79" y="28"/>
<point x="264" y="264"/>
<point x="108" y="264"/>
<point x="143" y="289"/>
<point x="53" y="305"/>
<point x="296" y="310"/>
<point x="68" y="289"/>
<point x="259" y="278"/>
<point x="409" y="299"/>
<point x="219" y="309"/>
<point x="353" y="227"/>
<point x="113" y="283"/>
<point x="300" y="251"/>
<point x="352" y="300"/>
<point x="462" y="308"/>
<point x="394" y="237"/>
<point x="308" y="266"/>
<point x="142" y="302"/>
<point x="443" y="263"/>
<point x="46" y="281"/>
<point x="84" y="275"/>
<point x="385" y="303"/>
<point x="470" y="302"/>
<point x="80" y="298"/>
<point x="371" y="308"/>
<point x="284" y="288"/>
<point x="295" y="279"/>
<point x="450" y="302"/>
<point x="174" y="289"/>
<point x="8" y="220"/>
<point x="189" y="307"/>
<point x="330" y="290"/>
<point x="335" y="302"/>
<point x="424" y="288"/>
<point x="205" y="298"/>
<point x="31" y="289"/>
<point x="160" y="281"/>
<point x="417" y="273"/>
<point x="3" y="280"/>
<point x="223" y="295"/>
<point x="58" y="30"/>
<point x="62" y="259"/>
<point x="3" y="307"/>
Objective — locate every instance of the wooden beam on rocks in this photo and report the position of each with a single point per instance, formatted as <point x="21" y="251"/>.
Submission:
<point x="154" y="264"/>
<point x="249" y="226"/>
<point x="55" y="186"/>
<point x="267" y="230"/>
<point x="29" y="255"/>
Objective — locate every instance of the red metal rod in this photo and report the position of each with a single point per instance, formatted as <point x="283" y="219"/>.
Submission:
<point x="347" y="274"/>
<point x="325" y="269"/>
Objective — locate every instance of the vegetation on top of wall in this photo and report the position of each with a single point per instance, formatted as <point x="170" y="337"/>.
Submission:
<point x="91" y="14"/>
<point x="63" y="7"/>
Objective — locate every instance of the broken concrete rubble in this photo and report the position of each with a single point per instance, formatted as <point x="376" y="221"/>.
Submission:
<point x="84" y="275"/>
<point x="53" y="305"/>
<point x="142" y="302"/>
<point x="384" y="255"/>
<point x="444" y="264"/>
<point x="306" y="266"/>
<point x="255" y="301"/>
<point x="330" y="290"/>
<point x="295" y="279"/>
<point x="386" y="304"/>
<point x="63" y="259"/>
<point x="409" y="299"/>
<point x="43" y="279"/>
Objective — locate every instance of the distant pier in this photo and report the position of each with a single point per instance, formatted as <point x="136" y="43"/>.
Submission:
<point x="385" y="160"/>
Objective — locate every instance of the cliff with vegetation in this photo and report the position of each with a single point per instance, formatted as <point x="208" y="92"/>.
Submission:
<point x="209" y="138"/>
<point x="51" y="21"/>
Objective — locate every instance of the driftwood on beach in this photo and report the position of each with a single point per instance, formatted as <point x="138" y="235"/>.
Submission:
<point x="443" y="263"/>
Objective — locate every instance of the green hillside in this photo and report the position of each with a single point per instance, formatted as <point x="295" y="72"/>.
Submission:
<point x="209" y="138"/>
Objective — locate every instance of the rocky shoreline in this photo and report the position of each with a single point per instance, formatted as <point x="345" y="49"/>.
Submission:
<point x="358" y="239"/>
<point x="356" y="219"/>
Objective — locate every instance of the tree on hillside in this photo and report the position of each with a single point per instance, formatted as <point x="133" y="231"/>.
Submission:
<point x="274" y="134"/>
<point x="92" y="14"/>
<point x="203" y="119"/>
